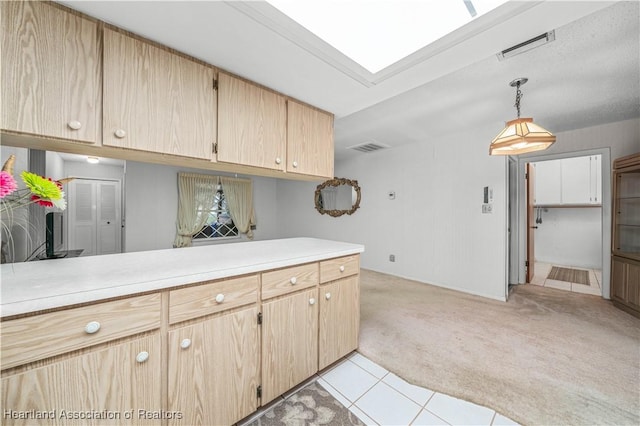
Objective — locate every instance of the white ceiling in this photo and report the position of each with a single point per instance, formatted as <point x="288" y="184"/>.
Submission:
<point x="589" y="75"/>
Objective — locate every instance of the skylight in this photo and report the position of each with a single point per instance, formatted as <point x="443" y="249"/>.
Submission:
<point x="378" y="33"/>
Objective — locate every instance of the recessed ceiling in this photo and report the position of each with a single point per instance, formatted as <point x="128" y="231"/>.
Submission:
<point x="378" y="33"/>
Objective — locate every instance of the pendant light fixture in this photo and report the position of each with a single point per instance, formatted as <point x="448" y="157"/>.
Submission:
<point x="522" y="134"/>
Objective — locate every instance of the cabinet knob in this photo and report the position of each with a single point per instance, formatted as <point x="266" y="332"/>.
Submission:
<point x="278" y="160"/>
<point x="294" y="164"/>
<point x="312" y="301"/>
<point x="185" y="343"/>
<point x="341" y="268"/>
<point x="142" y="357"/>
<point x="327" y="296"/>
<point x="92" y="327"/>
<point x="220" y="298"/>
<point x="119" y="133"/>
<point x="293" y="280"/>
<point x="74" y="125"/>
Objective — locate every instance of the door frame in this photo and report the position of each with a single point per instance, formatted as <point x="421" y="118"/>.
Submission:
<point x="513" y="213"/>
<point x="606" y="210"/>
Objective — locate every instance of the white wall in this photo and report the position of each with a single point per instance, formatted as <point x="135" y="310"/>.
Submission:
<point x="82" y="169"/>
<point x="434" y="227"/>
<point x="151" y="206"/>
<point x="570" y="237"/>
<point x="54" y="166"/>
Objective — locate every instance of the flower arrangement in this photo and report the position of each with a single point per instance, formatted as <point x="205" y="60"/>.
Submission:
<point x="40" y="190"/>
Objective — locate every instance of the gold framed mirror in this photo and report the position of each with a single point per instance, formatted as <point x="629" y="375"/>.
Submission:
<point x="337" y="196"/>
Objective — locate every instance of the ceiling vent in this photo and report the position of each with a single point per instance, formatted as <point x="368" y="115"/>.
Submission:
<point x="527" y="45"/>
<point x="369" y="147"/>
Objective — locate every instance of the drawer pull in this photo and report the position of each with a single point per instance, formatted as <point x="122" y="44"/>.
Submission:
<point x="327" y="296"/>
<point x="185" y="343"/>
<point x="74" y="125"/>
<point x="293" y="280"/>
<point x="220" y="298"/>
<point x="120" y="133"/>
<point x="142" y="357"/>
<point x="312" y="301"/>
<point x="92" y="327"/>
<point x="341" y="268"/>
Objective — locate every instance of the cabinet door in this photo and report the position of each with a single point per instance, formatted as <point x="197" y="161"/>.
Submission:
<point x="339" y="320"/>
<point x="633" y="285"/>
<point x="214" y="369"/>
<point x="51" y="72"/>
<point x="547" y="182"/>
<point x="289" y="342"/>
<point x="155" y="100"/>
<point x="109" y="379"/>
<point x="309" y="141"/>
<point x="618" y="280"/>
<point x="251" y="124"/>
<point x="576" y="181"/>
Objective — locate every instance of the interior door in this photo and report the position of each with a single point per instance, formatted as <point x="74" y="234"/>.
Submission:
<point x="108" y="217"/>
<point x="530" y="221"/>
<point x="82" y="216"/>
<point x="94" y="219"/>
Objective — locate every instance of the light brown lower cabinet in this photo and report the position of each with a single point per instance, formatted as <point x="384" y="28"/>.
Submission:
<point x="625" y="284"/>
<point x="214" y="369"/>
<point x="339" y="320"/>
<point x="119" y="384"/>
<point x="205" y="354"/>
<point x="289" y="342"/>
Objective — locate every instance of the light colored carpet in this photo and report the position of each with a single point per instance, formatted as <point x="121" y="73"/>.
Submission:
<point x="546" y="357"/>
<point x="577" y="276"/>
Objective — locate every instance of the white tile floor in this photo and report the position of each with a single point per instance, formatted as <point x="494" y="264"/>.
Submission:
<point x="542" y="270"/>
<point x="378" y="397"/>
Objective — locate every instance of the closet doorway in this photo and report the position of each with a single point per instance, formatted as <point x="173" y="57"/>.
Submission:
<point x="565" y="223"/>
<point x="95" y="216"/>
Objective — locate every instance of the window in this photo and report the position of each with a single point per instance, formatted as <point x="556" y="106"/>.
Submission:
<point x="219" y="223"/>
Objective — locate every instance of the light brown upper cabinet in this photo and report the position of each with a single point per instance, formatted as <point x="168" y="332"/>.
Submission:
<point x="309" y="141"/>
<point x="251" y="124"/>
<point x="50" y="72"/>
<point x="155" y="100"/>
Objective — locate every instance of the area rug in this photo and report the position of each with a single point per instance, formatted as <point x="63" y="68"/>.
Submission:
<point x="545" y="357"/>
<point x="576" y="276"/>
<point x="311" y="405"/>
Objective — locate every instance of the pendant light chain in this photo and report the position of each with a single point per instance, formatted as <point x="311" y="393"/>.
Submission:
<point x="518" y="97"/>
<point x="520" y="136"/>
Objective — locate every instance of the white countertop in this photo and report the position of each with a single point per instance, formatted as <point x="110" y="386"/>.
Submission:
<point x="47" y="284"/>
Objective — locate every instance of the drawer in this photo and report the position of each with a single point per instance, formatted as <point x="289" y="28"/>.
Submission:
<point x="205" y="299"/>
<point x="42" y="336"/>
<point x="334" y="269"/>
<point x="287" y="280"/>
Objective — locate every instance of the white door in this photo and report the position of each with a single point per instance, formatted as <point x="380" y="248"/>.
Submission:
<point x="94" y="216"/>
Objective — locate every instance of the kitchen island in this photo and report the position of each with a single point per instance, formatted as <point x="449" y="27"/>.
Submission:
<point x="200" y="335"/>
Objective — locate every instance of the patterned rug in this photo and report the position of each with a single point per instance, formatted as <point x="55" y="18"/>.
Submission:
<point x="311" y="405"/>
<point x="576" y="276"/>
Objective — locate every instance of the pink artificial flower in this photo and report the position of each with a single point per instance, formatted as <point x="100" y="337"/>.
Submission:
<point x="7" y="184"/>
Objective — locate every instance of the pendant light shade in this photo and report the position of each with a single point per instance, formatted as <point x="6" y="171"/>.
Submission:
<point x="521" y="135"/>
